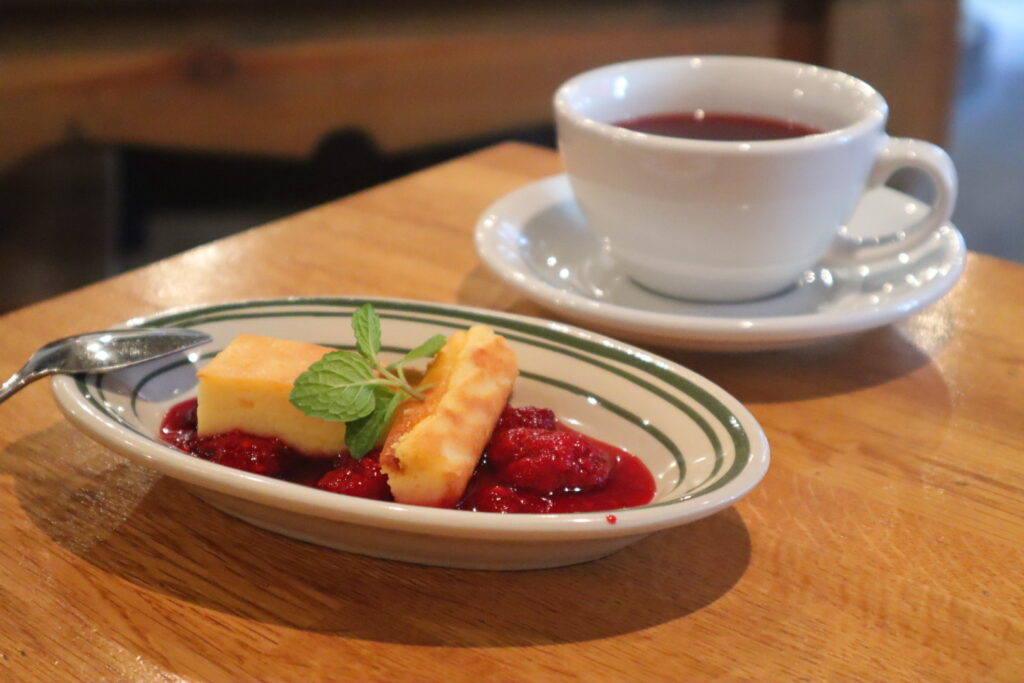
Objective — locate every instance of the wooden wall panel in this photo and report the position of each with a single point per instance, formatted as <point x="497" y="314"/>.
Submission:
<point x="209" y="82"/>
<point x="255" y="78"/>
<point x="908" y="50"/>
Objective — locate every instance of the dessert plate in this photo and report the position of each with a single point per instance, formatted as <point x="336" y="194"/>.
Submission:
<point x="703" y="447"/>
<point x="537" y="240"/>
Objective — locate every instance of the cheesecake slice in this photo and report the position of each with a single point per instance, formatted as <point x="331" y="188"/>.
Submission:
<point x="433" y="446"/>
<point x="246" y="387"/>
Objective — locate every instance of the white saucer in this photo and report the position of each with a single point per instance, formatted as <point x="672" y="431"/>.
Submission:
<point x="536" y="239"/>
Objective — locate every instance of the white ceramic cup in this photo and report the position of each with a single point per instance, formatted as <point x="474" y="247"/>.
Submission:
<point x="724" y="221"/>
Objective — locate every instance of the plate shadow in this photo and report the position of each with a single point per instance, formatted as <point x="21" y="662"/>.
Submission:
<point x="840" y="366"/>
<point x="127" y="520"/>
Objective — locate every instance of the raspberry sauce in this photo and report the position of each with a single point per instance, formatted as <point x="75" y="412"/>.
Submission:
<point x="533" y="464"/>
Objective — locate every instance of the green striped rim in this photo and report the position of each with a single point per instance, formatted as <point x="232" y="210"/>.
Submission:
<point x="223" y="312"/>
<point x="553" y="340"/>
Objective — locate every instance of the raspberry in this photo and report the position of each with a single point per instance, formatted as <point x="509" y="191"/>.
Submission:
<point x="506" y="446"/>
<point x="527" y="416"/>
<point x="504" y="500"/>
<point x="362" y="478"/>
<point x="179" y="426"/>
<point x="545" y="462"/>
<point x="260" y="455"/>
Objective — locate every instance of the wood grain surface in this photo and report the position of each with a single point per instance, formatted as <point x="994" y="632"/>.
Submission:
<point x="885" y="543"/>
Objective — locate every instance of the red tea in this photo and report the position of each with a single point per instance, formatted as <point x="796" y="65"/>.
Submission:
<point x="701" y="125"/>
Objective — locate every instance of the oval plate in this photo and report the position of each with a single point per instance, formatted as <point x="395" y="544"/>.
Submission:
<point x="704" y="448"/>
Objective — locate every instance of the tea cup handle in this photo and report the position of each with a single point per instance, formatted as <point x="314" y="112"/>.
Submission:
<point x="898" y="153"/>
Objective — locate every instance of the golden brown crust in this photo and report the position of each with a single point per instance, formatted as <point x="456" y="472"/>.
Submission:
<point x="434" y="445"/>
<point x="246" y="387"/>
<point x="251" y="357"/>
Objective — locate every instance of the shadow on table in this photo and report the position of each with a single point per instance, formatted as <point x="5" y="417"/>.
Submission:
<point x="127" y="521"/>
<point x="831" y="368"/>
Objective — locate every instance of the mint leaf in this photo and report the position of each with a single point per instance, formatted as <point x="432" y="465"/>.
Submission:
<point x="366" y="325"/>
<point x="363" y="434"/>
<point x="427" y="348"/>
<point x="338" y="387"/>
<point x="356" y="388"/>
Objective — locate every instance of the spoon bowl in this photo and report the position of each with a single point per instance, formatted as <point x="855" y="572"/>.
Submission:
<point x="95" y="352"/>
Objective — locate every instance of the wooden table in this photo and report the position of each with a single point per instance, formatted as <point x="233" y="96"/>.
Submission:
<point x="886" y="542"/>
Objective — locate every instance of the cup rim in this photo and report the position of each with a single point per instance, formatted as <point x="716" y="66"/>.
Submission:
<point x="875" y="116"/>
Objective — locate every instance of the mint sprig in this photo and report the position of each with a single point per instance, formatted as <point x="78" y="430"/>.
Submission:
<point x="361" y="435"/>
<point x="356" y="388"/>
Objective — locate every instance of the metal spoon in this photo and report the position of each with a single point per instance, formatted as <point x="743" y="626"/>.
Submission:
<point x="100" y="352"/>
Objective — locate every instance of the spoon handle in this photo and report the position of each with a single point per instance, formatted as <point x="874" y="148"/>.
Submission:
<point x="18" y="381"/>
